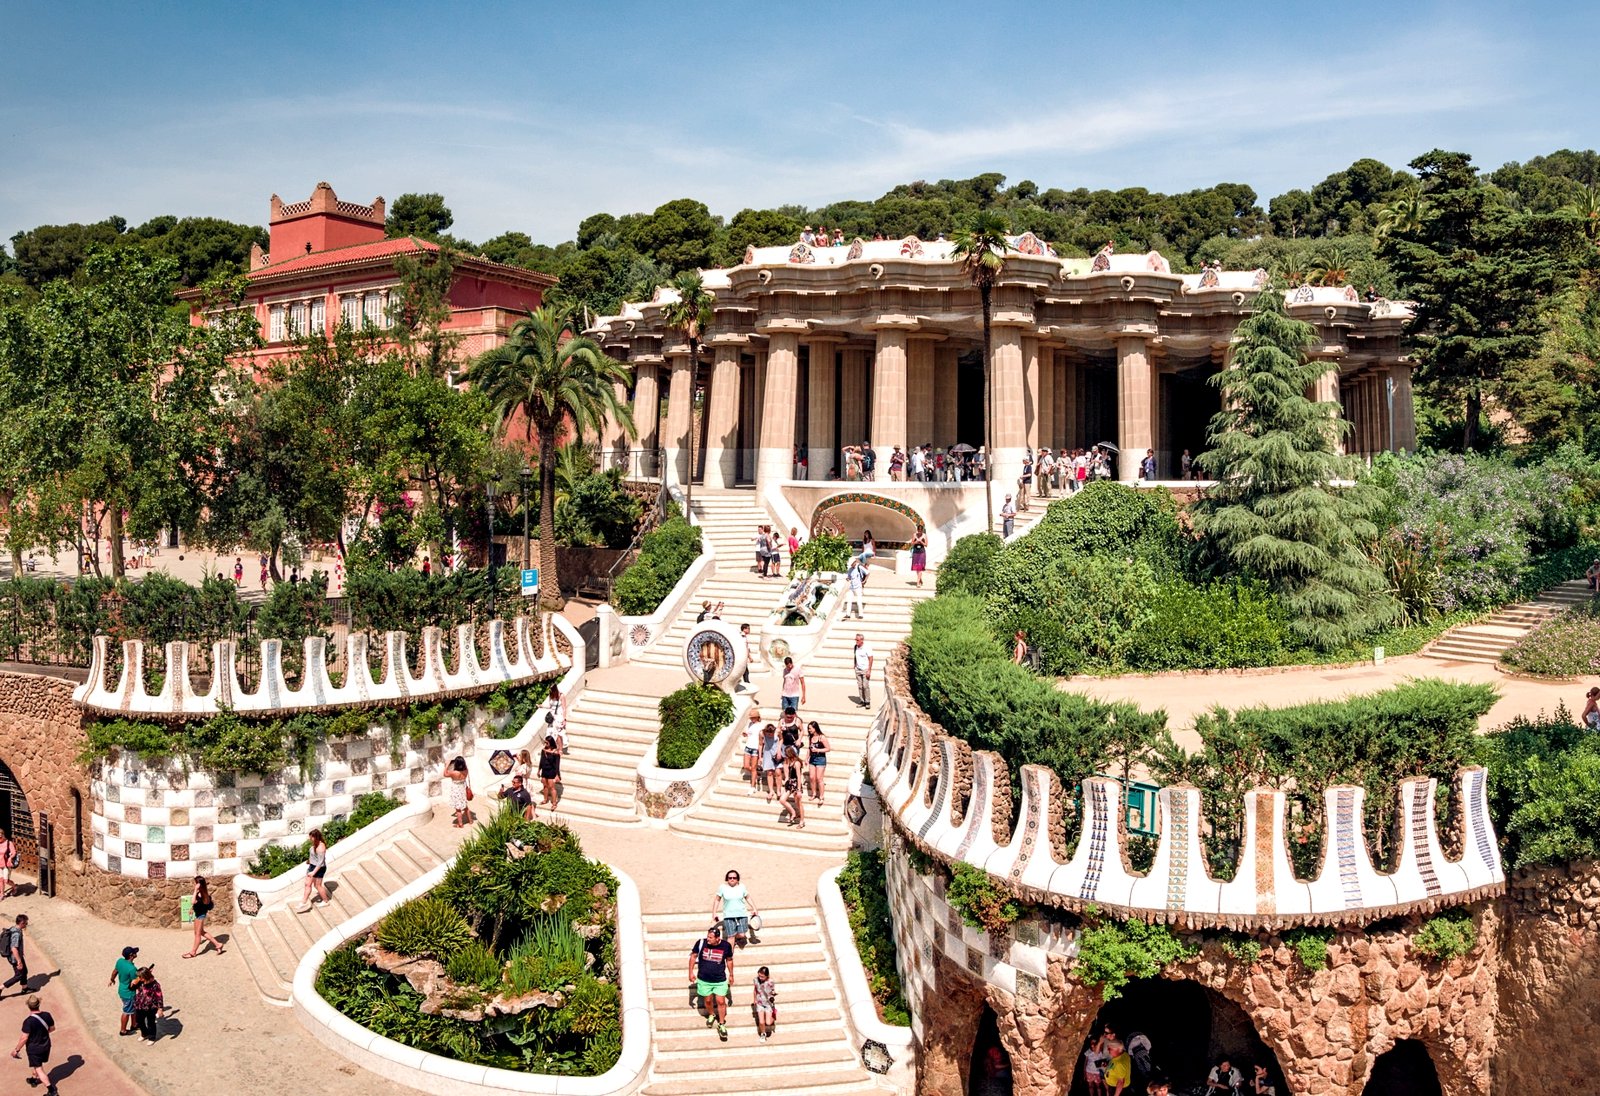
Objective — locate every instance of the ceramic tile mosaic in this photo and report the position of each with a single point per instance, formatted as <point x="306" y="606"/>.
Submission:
<point x="226" y="780"/>
<point x="113" y="828"/>
<point x="252" y="830"/>
<point x="338" y="787"/>
<point x="205" y="867"/>
<point x="274" y="812"/>
<point x="99" y="841"/>
<point x="180" y="852"/>
<point x="114" y="864"/>
<point x="319" y="806"/>
<point x="113" y="793"/>
<point x="416" y="776"/>
<point x="179" y="816"/>
<point x="154" y="798"/>
<point x="158" y="869"/>
<point x="358" y="766"/>
<point x="131" y="850"/>
<point x="297" y="825"/>
<point x="156" y="835"/>
<point x="380" y="780"/>
<point x="227" y="850"/>
<point x="296" y="792"/>
<point x="132" y="814"/>
<point x="248" y="796"/>
<point x="202" y="834"/>
<point x="227" y="813"/>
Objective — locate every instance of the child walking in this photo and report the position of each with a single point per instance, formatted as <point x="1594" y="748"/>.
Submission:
<point x="765" y="1001"/>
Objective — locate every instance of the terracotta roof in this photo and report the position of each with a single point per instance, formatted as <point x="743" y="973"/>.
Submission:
<point x="338" y="256"/>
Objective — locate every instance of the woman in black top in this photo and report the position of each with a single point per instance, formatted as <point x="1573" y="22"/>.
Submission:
<point x="550" y="773"/>
<point x="202" y="905"/>
<point x="817" y="759"/>
<point x="793" y="797"/>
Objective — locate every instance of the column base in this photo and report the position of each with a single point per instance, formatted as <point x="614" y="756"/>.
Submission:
<point x="773" y="466"/>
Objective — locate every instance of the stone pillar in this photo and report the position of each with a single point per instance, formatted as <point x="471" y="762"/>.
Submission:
<point x="722" y="425"/>
<point x="646" y="416"/>
<point x="946" y="367"/>
<point x="1067" y="405"/>
<point x="775" y="462"/>
<point x="617" y="441"/>
<point x="1369" y="416"/>
<point x="1045" y="412"/>
<point x="1134" y="425"/>
<point x="919" y="390"/>
<point x="1405" y="412"/>
<point x="1008" y="395"/>
<point x="823" y="383"/>
<point x="1326" y="390"/>
<point x="680" y="415"/>
<point x="1030" y="391"/>
<point x="853" y="397"/>
<point x="757" y="402"/>
<point x="888" y="396"/>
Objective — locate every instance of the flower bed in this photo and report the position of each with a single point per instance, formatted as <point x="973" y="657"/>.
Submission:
<point x="1566" y="646"/>
<point x="510" y="962"/>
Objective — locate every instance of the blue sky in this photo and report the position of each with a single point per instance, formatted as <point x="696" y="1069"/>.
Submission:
<point x="530" y="116"/>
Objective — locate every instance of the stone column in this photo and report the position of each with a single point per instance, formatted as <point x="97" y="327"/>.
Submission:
<point x="646" y="416"/>
<point x="946" y="366"/>
<point x="853" y="397"/>
<point x="920" y="355"/>
<point x="1326" y="390"/>
<point x="1009" y="422"/>
<point x="1134" y="425"/>
<point x="888" y="397"/>
<point x="1030" y="391"/>
<point x="822" y="447"/>
<point x="1067" y="405"/>
<point x="680" y="414"/>
<point x="722" y="425"/>
<point x="775" y="462"/>
<point x="758" y="404"/>
<point x="1045" y="412"/>
<point x="1369" y="416"/>
<point x="1405" y="412"/>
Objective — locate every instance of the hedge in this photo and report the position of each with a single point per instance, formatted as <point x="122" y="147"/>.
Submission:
<point x="1544" y="789"/>
<point x="690" y="719"/>
<point x="665" y="554"/>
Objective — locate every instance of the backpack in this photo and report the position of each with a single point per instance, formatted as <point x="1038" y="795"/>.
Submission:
<point x="9" y="939"/>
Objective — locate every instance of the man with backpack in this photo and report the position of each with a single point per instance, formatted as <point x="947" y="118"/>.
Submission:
<point x="11" y="947"/>
<point x="36" y="1029"/>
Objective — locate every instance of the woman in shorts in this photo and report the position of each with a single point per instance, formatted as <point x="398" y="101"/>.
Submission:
<point x="201" y="907"/>
<point x="751" y="742"/>
<point x="817" y="758"/>
<point x="316" y="872"/>
<point x="733" y="908"/>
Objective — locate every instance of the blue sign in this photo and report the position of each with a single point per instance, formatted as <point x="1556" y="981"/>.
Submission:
<point x="530" y="581"/>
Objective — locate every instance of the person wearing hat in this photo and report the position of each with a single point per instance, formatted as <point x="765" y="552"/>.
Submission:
<point x="122" y="975"/>
<point x="1008" y="517"/>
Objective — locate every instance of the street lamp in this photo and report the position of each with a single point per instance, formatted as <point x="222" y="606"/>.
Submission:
<point x="527" y="477"/>
<point x="490" y="490"/>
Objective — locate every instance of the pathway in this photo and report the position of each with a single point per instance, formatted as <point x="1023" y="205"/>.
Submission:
<point x="1486" y="640"/>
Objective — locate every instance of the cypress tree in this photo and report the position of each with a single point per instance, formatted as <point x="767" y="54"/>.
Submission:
<point x="1276" y="512"/>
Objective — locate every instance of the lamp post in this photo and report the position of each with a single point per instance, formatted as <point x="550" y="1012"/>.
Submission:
<point x="527" y="477"/>
<point x="490" y="490"/>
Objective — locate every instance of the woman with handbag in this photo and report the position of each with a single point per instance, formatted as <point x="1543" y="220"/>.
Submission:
<point x="201" y="907"/>
<point x="316" y="871"/>
<point x="460" y="792"/>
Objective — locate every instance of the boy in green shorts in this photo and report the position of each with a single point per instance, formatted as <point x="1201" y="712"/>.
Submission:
<point x="711" y="970"/>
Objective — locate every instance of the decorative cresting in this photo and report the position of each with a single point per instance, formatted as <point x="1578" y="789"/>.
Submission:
<point x="820" y="520"/>
<point x="967" y="817"/>
<point x="428" y="680"/>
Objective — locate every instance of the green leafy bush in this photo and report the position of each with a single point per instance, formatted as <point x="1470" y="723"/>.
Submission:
<point x="823" y="552"/>
<point x="424" y="926"/>
<point x="1447" y="935"/>
<point x="864" y="886"/>
<point x="665" y="554"/>
<point x="599" y="512"/>
<point x="1566" y="646"/>
<point x="1078" y="611"/>
<point x="549" y="957"/>
<point x="981" y="902"/>
<point x="1532" y="766"/>
<point x="1310" y="945"/>
<point x="473" y="964"/>
<point x="690" y="719"/>
<point x="1246" y="949"/>
<point x="1115" y="519"/>
<point x="966" y="570"/>
<point x="1218" y="625"/>
<point x="273" y="860"/>
<point x="1113" y="953"/>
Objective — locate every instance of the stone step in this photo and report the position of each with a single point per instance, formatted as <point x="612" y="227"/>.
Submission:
<point x="695" y="919"/>
<point x="751" y="1062"/>
<point x="832" y="1079"/>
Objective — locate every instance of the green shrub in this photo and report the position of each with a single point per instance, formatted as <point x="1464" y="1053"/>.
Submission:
<point x="599" y="512"/>
<point x="966" y="570"/>
<point x="473" y="964"/>
<point x="1078" y="611"/>
<point x="1219" y="625"/>
<point x="1531" y="763"/>
<point x="602" y="1052"/>
<point x="690" y="719"/>
<point x="665" y="554"/>
<point x="228" y="743"/>
<point x="1113" y="518"/>
<point x="274" y="860"/>
<point x="549" y="957"/>
<point x="1246" y="949"/>
<point x="1113" y="953"/>
<point x="864" y="886"/>
<point x="1310" y="945"/>
<point x="1566" y="646"/>
<point x="981" y="902"/>
<point x="1447" y="935"/>
<point x="823" y="552"/>
<point x="424" y="926"/>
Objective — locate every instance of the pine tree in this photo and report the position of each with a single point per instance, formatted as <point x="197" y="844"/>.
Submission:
<point x="1276" y="513"/>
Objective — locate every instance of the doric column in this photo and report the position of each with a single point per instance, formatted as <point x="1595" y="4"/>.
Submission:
<point x="722" y="417"/>
<point x="1030" y="391"/>
<point x="680" y="413"/>
<point x="854" y="392"/>
<point x="758" y="402"/>
<point x="775" y="461"/>
<point x="946" y="377"/>
<point x="919" y="390"/>
<point x="1008" y="421"/>
<point x="1045" y="412"/>
<point x="1326" y="390"/>
<point x="1405" y="413"/>
<point x="1067" y="405"/>
<point x="888" y="396"/>
<point x="646" y="416"/>
<point x="1369" y="418"/>
<point x="1135" y="430"/>
<point x="822" y="384"/>
<point x="614" y="440"/>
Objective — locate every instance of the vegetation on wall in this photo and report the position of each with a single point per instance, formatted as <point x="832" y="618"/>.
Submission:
<point x="1544" y="789"/>
<point x="273" y="860"/>
<point x="981" y="902"/>
<point x="864" y="886"/>
<point x="665" y="554"/>
<point x="1112" y="953"/>
<point x="1447" y="935"/>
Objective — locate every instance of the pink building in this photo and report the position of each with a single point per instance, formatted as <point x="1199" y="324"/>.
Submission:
<point x="328" y="261"/>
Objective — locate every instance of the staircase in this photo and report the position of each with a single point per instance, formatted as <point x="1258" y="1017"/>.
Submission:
<point x="608" y="734"/>
<point x="274" y="942"/>
<point x="811" y="1050"/>
<point x="890" y="600"/>
<point x="1487" y="640"/>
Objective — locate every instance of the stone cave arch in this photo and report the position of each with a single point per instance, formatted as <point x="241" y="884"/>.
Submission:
<point x="1189" y="1027"/>
<point x="990" y="1073"/>
<point x="16" y="818"/>
<point x="1405" y="1069"/>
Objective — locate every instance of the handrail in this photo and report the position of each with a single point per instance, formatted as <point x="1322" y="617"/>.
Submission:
<point x="641" y="532"/>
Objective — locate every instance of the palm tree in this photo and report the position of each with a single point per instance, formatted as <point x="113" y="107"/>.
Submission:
<point x="553" y="376"/>
<point x="1328" y="265"/>
<point x="981" y="249"/>
<point x="1401" y="217"/>
<point x="1587" y="206"/>
<point x="690" y="314"/>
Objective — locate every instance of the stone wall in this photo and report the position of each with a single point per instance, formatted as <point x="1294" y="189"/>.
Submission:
<point x="41" y="736"/>
<point x="1325" y="1028"/>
